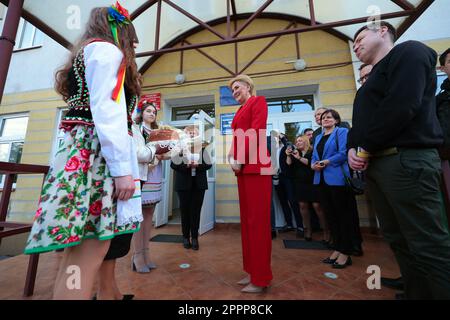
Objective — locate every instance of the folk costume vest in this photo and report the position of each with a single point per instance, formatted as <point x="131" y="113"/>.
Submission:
<point x="78" y="101"/>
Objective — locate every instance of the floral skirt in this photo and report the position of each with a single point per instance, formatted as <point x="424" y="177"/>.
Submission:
<point x="76" y="202"/>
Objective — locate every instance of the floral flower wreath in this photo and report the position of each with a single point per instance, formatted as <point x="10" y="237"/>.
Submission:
<point x="143" y="102"/>
<point x="117" y="16"/>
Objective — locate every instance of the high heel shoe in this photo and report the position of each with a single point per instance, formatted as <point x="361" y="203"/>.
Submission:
<point x="143" y="269"/>
<point x="149" y="265"/>
<point x="307" y="232"/>
<point x="329" y="261"/>
<point x="244" y="281"/>
<point x="348" y="262"/>
<point x="251" y="288"/>
<point x="326" y="236"/>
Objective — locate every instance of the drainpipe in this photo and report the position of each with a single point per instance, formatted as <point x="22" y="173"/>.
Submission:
<point x="7" y="39"/>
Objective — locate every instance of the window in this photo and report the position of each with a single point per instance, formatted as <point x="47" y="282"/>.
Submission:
<point x="441" y="76"/>
<point x="12" y="136"/>
<point x="185" y="113"/>
<point x="291" y="104"/>
<point x="59" y="133"/>
<point x="28" y="36"/>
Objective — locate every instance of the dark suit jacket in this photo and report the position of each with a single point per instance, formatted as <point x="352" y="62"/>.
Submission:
<point x="184" y="180"/>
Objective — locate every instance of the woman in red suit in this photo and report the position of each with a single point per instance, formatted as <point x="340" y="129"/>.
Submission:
<point x="250" y="161"/>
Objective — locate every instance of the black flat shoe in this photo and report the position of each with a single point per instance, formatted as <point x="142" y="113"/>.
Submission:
<point x="329" y="261"/>
<point x="396" y="284"/>
<point x="342" y="266"/>
<point x="195" y="245"/>
<point x="274" y="234"/>
<point x="186" y="243"/>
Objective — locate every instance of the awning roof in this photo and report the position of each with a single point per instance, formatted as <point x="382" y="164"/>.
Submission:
<point x="58" y="18"/>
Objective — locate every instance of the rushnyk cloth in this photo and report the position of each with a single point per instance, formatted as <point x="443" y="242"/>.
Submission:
<point x="130" y="211"/>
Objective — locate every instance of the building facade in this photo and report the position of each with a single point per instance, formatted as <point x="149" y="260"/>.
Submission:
<point x="31" y="109"/>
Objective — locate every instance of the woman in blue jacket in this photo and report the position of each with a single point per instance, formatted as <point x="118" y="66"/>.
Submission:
<point x="329" y="161"/>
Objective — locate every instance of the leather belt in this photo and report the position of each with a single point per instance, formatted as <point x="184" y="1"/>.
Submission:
<point x="385" y="152"/>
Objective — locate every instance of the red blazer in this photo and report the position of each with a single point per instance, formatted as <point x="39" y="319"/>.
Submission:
<point x="249" y="146"/>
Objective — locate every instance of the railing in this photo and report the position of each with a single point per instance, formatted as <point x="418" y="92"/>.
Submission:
<point x="10" y="170"/>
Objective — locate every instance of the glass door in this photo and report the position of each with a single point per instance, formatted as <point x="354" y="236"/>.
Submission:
<point x="206" y="126"/>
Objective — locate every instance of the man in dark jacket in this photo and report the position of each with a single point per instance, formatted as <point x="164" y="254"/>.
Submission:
<point x="443" y="105"/>
<point x="395" y="123"/>
<point x="443" y="114"/>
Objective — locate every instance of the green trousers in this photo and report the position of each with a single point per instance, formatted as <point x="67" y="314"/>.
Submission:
<point x="405" y="189"/>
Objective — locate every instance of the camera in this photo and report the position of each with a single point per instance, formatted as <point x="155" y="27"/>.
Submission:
<point x="321" y="163"/>
<point x="288" y="144"/>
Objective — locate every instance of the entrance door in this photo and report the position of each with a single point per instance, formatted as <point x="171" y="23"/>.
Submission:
<point x="206" y="126"/>
<point x="291" y="124"/>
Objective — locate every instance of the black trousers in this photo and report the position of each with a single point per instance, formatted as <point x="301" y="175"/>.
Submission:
<point x="190" y="204"/>
<point x="290" y="206"/>
<point x="339" y="205"/>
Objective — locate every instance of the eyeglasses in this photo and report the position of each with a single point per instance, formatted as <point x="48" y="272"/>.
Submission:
<point x="363" y="78"/>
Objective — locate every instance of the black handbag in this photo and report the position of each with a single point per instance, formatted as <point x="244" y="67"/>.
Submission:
<point x="356" y="180"/>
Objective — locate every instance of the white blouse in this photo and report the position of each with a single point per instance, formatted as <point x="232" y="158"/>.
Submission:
<point x="102" y="61"/>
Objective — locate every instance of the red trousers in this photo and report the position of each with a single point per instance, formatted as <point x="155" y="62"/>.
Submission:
<point x="255" y="192"/>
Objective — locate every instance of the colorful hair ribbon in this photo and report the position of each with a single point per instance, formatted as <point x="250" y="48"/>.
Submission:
<point x="117" y="17"/>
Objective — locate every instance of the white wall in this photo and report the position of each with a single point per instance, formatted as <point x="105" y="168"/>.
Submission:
<point x="34" y="69"/>
<point x="433" y="24"/>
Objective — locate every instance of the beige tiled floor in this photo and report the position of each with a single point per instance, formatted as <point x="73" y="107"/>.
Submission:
<point x="215" y="268"/>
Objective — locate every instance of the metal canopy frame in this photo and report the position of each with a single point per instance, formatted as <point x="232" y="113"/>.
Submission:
<point x="232" y="36"/>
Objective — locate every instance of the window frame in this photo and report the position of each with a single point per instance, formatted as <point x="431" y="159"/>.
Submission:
<point x="19" y="46"/>
<point x="439" y="74"/>
<point x="59" y="134"/>
<point x="11" y="139"/>
<point x="291" y="98"/>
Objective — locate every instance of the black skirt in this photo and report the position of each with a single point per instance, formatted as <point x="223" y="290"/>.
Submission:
<point x="305" y="192"/>
<point x="120" y="245"/>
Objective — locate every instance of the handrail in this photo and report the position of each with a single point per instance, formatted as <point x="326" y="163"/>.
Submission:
<point x="20" y="168"/>
<point x="10" y="170"/>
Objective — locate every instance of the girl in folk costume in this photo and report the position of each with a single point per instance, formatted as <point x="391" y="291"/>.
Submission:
<point x="151" y="181"/>
<point x="90" y="194"/>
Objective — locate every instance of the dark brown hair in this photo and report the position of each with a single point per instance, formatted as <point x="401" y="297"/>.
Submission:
<point x="98" y="28"/>
<point x="334" y="114"/>
<point x="443" y="56"/>
<point x="374" y="26"/>
<point x="139" y="118"/>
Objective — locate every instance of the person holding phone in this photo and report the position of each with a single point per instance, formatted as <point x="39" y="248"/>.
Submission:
<point x="329" y="161"/>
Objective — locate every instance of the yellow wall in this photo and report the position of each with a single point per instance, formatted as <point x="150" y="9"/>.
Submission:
<point x="336" y="89"/>
<point x="336" y="85"/>
<point x="42" y="109"/>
